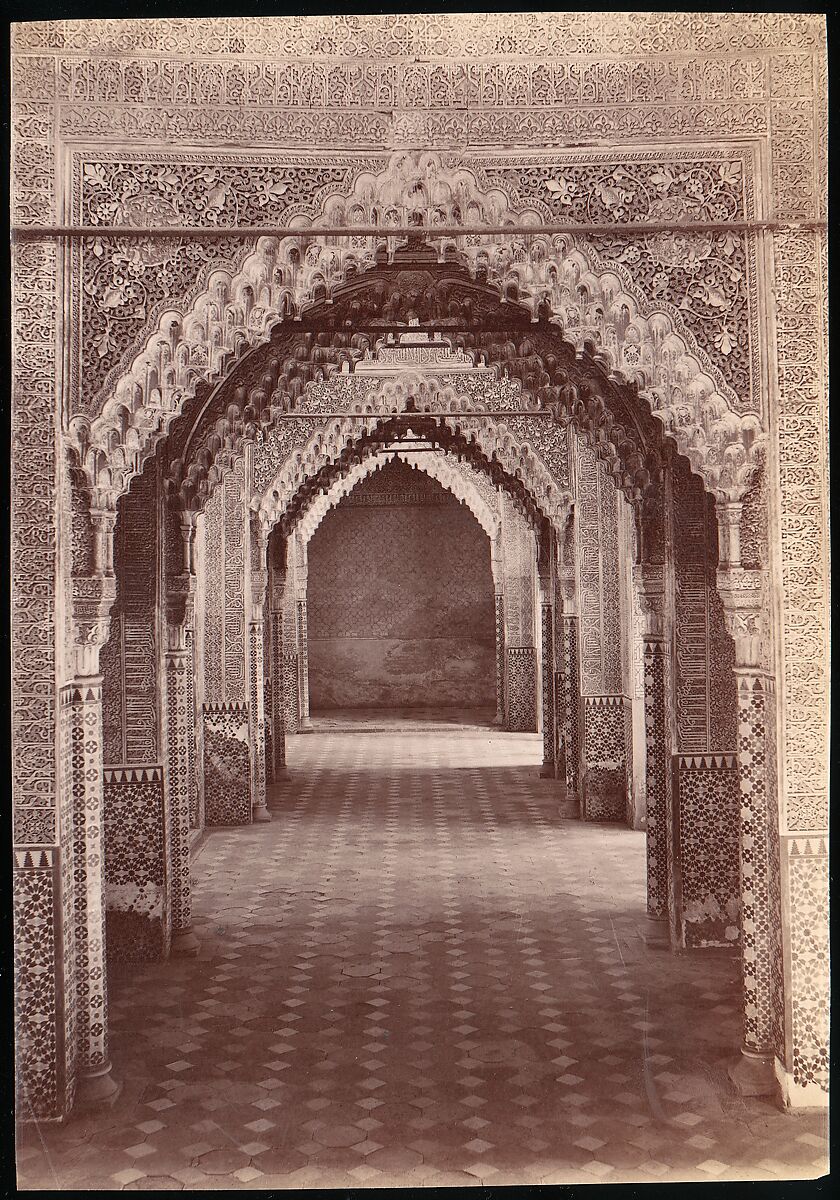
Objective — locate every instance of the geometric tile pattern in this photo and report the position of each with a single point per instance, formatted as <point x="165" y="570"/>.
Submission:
<point x="66" y="879"/>
<point x="256" y="690"/>
<point x="521" y="689"/>
<point x="192" y="719"/>
<point x="629" y="815"/>
<point x="180" y="739"/>
<point x="268" y="696"/>
<point x="548" y="709"/>
<point x="500" y="657"/>
<point x="36" y="880"/>
<point x="755" y="866"/>
<point x="303" y="660"/>
<point x="807" y="868"/>
<point x="227" y="764"/>
<point x="418" y="974"/>
<point x="276" y="711"/>
<point x="84" y="701"/>
<point x="708" y="803"/>
<point x="605" y="782"/>
<point x="291" y="690"/>
<point x="657" y="777"/>
<point x="571" y="699"/>
<point x="136" y="864"/>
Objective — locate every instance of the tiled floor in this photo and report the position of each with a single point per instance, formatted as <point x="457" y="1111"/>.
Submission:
<point x="419" y="974"/>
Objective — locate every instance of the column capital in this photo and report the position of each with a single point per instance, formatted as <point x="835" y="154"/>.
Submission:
<point x="180" y="603"/>
<point x="728" y="512"/>
<point x="649" y="579"/>
<point x="103" y="519"/>
<point x="187" y="528"/>
<point x="259" y="542"/>
<point x="741" y="593"/>
<point x="277" y="594"/>
<point x="259" y="587"/>
<point x="93" y="598"/>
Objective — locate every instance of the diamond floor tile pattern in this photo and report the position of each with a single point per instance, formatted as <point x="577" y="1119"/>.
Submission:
<point x="419" y="974"/>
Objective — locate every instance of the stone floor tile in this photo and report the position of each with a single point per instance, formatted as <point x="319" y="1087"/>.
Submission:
<point x="419" y="975"/>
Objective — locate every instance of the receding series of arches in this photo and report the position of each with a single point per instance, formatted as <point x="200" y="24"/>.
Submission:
<point x="186" y="589"/>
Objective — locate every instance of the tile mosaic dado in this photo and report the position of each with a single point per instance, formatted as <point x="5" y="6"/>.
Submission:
<point x="419" y="975"/>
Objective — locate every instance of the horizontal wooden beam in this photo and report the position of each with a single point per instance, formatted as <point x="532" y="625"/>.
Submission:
<point x="217" y="233"/>
<point x="351" y="416"/>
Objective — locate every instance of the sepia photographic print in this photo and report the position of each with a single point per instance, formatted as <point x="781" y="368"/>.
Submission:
<point x="419" y="600"/>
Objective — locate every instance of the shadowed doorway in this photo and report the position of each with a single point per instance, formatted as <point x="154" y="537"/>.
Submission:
<point x="401" y="602"/>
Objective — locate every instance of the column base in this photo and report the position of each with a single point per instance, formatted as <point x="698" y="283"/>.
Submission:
<point x="657" y="931"/>
<point x="184" y="944"/>
<point x="274" y="801"/>
<point x="570" y="809"/>
<point x="98" y="1089"/>
<point x="261" y="816"/>
<point x="753" y="1074"/>
<point x="547" y="771"/>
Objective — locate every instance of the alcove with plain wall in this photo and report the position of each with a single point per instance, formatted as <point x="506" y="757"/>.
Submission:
<point x="400" y="599"/>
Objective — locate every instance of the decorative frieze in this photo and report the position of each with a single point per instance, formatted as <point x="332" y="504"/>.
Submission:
<point x="501" y="38"/>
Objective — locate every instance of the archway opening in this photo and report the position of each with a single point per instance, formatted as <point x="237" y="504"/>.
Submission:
<point x="401" y="603"/>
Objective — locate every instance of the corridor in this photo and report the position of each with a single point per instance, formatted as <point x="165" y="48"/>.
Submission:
<point x="417" y="973"/>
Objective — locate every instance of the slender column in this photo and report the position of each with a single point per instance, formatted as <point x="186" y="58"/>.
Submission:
<point x="180" y="740"/>
<point x="268" y="700"/>
<point x="545" y="556"/>
<point x="93" y="598"/>
<point x="303" y="662"/>
<point x="497" y="571"/>
<point x="741" y="592"/>
<point x="179" y="732"/>
<point x="256" y="670"/>
<point x="278" y="733"/>
<point x="260" y="812"/>
<point x="548" y="706"/>
<point x="277" y="584"/>
<point x="650" y="580"/>
<point x="569" y="674"/>
<point x="500" y="659"/>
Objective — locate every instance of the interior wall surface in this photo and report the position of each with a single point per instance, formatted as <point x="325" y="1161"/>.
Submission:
<point x="400" y="599"/>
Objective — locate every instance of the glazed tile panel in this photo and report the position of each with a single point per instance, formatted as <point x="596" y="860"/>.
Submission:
<point x="136" y="864"/>
<point x="227" y="765"/>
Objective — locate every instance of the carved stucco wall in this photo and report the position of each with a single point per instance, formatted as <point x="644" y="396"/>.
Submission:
<point x="224" y="616"/>
<point x="400" y="599"/>
<point x="130" y="658"/>
<point x="367" y="86"/>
